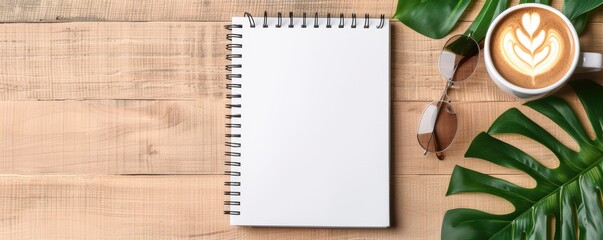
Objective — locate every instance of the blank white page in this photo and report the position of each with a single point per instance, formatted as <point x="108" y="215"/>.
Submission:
<point x="315" y="120"/>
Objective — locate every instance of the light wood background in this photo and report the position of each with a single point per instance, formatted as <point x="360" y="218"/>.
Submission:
<point x="113" y="121"/>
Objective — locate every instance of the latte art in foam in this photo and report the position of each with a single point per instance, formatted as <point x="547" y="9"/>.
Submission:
<point x="530" y="50"/>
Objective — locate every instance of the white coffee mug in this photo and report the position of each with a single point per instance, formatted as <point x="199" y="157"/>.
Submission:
<point x="581" y="61"/>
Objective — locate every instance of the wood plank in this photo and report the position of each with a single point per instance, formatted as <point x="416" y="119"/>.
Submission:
<point x="112" y="137"/>
<point x="112" y="61"/>
<point x="186" y="61"/>
<point x="176" y="207"/>
<point x="186" y="137"/>
<point x="175" y="10"/>
<point x="195" y="10"/>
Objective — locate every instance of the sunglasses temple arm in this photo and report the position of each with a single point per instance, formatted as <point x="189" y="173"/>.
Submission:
<point x="440" y="155"/>
<point x="432" y="138"/>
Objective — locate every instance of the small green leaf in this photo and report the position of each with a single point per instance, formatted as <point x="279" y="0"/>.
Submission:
<point x="432" y="18"/>
<point x="577" y="11"/>
<point x="490" y="10"/>
<point x="580" y="23"/>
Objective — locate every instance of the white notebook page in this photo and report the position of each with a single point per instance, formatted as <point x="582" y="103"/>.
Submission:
<point x="315" y="124"/>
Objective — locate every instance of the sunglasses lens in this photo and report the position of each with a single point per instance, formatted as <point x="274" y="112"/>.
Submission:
<point x="437" y="127"/>
<point x="459" y="58"/>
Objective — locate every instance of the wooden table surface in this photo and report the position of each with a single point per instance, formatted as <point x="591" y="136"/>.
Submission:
<point x="113" y="121"/>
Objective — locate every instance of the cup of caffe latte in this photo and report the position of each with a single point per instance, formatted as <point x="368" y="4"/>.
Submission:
<point x="531" y="50"/>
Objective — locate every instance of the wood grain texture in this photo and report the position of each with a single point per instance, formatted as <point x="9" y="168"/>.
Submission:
<point x="195" y="10"/>
<point x="175" y="10"/>
<point x="78" y="61"/>
<point x="190" y="207"/>
<point x="112" y="137"/>
<point x="112" y="61"/>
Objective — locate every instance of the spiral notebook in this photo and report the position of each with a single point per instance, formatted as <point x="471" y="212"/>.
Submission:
<point x="310" y="120"/>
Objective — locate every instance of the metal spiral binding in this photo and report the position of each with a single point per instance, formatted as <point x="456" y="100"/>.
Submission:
<point x="232" y="143"/>
<point x="233" y="46"/>
<point x="279" y="23"/>
<point x="230" y="67"/>
<point x="230" y="86"/>
<point x="232" y="56"/>
<point x="230" y="36"/>
<point x="232" y="184"/>
<point x="382" y="22"/>
<point x="231" y="76"/>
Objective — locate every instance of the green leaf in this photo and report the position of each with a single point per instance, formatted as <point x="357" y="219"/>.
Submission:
<point x="567" y="197"/>
<point x="432" y="18"/>
<point x="577" y="11"/>
<point x="580" y="23"/>
<point x="490" y="10"/>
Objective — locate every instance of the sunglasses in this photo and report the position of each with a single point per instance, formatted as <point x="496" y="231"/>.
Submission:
<point x="438" y="124"/>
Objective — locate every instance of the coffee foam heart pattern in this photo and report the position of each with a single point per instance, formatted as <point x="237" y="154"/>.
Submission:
<point x="529" y="49"/>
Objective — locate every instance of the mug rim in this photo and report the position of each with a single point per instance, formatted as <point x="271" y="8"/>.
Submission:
<point x="531" y="91"/>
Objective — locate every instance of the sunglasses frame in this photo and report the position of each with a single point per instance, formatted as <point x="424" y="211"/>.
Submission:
<point x="449" y="109"/>
<point x="444" y="98"/>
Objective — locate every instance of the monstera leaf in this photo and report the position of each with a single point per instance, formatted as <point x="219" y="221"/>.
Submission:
<point x="566" y="200"/>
